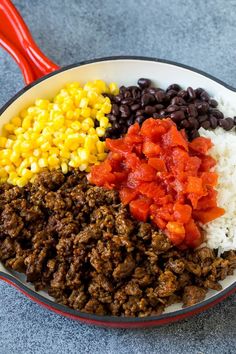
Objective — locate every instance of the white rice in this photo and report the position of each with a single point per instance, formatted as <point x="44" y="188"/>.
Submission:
<point x="221" y="232"/>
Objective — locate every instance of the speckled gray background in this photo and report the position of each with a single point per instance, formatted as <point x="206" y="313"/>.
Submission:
<point x="198" y="33"/>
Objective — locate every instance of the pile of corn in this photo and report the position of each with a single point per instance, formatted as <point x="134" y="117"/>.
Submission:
<point x="56" y="134"/>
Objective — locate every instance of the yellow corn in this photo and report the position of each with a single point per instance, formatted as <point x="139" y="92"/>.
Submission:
<point x="56" y="133"/>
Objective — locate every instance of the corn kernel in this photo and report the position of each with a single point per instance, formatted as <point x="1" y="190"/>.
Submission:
<point x="34" y="167"/>
<point x="43" y="104"/>
<point x="84" y="102"/>
<point x="42" y="162"/>
<point x="64" y="167"/>
<point x="9" y="127"/>
<point x="100" y="131"/>
<point x="101" y="156"/>
<point x="100" y="146"/>
<point x="16" y="121"/>
<point x="83" y="166"/>
<point x="104" y="121"/>
<point x="114" y="90"/>
<point x="85" y="112"/>
<point x="3" y="141"/>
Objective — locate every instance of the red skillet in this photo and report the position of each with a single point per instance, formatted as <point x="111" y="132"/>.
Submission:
<point x="16" y="39"/>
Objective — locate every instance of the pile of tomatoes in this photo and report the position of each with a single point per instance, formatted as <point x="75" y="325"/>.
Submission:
<point x="163" y="178"/>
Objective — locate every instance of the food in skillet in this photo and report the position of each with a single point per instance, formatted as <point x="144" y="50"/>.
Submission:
<point x="86" y="249"/>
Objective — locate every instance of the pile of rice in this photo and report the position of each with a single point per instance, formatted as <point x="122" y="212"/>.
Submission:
<point x="221" y="233"/>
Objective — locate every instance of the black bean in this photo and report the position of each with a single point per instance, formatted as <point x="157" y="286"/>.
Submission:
<point x="159" y="106"/>
<point x="140" y="120"/>
<point x="193" y="122"/>
<point x="185" y="124"/>
<point x="109" y="132"/>
<point x="140" y="112"/>
<point x="160" y="96"/>
<point x="115" y="109"/>
<point x="171" y="93"/>
<point x="184" y="108"/>
<point x="177" y="116"/>
<point x="96" y="123"/>
<point x="204" y="96"/>
<point x="198" y="91"/>
<point x="112" y="118"/>
<point x="191" y="93"/>
<point x="135" y="106"/>
<point x="125" y="111"/>
<point x="130" y="121"/>
<point x="206" y="125"/>
<point x="202" y="107"/>
<point x="122" y="90"/>
<point x="194" y="134"/>
<point x="143" y="83"/>
<point x="216" y="113"/>
<point x="162" y="113"/>
<point x="213" y="103"/>
<point x="179" y="101"/>
<point x="115" y="126"/>
<point x="192" y="111"/>
<point x="127" y="101"/>
<point x="127" y="94"/>
<point x="136" y="92"/>
<point x="213" y="121"/>
<point x="118" y="98"/>
<point x="226" y="124"/>
<point x="156" y="115"/>
<point x="175" y="87"/>
<point x="150" y="110"/>
<point x="172" y="108"/>
<point x="183" y="94"/>
<point x="147" y="99"/>
<point x="202" y="118"/>
<point x="151" y="90"/>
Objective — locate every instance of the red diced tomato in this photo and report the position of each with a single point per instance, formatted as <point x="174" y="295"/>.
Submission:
<point x="127" y="194"/>
<point x="145" y="173"/>
<point x="174" y="138"/>
<point x="207" y="163"/>
<point x="205" y="216"/>
<point x="193" y="236"/>
<point x="209" y="179"/>
<point x="175" y="232"/>
<point x="151" y="190"/>
<point x="208" y="201"/>
<point x="152" y="129"/>
<point x="158" y="164"/>
<point x="134" y="129"/>
<point x="132" y="161"/>
<point x="194" y="185"/>
<point x="200" y="145"/>
<point x="118" y="145"/>
<point x="139" y="208"/>
<point x="182" y="212"/>
<point x="151" y="149"/>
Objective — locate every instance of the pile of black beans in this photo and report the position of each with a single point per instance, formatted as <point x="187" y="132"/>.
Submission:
<point x="189" y="109"/>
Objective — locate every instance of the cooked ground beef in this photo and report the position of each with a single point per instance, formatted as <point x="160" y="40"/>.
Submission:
<point x="80" y="244"/>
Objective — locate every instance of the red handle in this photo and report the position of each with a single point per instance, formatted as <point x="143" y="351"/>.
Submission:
<point x="15" y="37"/>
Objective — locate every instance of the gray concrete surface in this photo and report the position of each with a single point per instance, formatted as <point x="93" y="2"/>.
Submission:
<point x="198" y="33"/>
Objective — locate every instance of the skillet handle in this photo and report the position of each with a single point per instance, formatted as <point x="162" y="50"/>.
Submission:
<point x="15" y="37"/>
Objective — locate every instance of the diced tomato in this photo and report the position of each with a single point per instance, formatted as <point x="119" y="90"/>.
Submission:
<point x="151" y="190"/>
<point x="152" y="130"/>
<point x="159" y="222"/>
<point x="150" y="149"/>
<point x="139" y="208"/>
<point x="145" y="173"/>
<point x="209" y="178"/>
<point x="164" y="200"/>
<point x="208" y="201"/>
<point x="194" y="198"/>
<point x="158" y="164"/>
<point x="175" y="232"/>
<point x="174" y="138"/>
<point x="192" y="165"/>
<point x="193" y="236"/>
<point x="194" y="185"/>
<point x="200" y="145"/>
<point x="207" y="163"/>
<point x="205" y="216"/>
<point x="134" y="129"/>
<point x="179" y="159"/>
<point x="120" y="176"/>
<point x="182" y="212"/>
<point x="118" y="145"/>
<point x="101" y="175"/>
<point x="127" y="194"/>
<point x="132" y="161"/>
